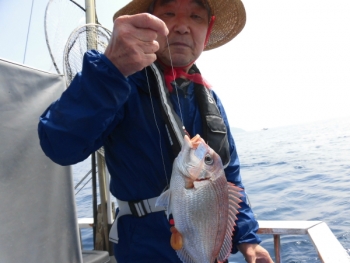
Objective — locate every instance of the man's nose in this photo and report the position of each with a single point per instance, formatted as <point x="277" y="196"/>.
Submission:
<point x="182" y="25"/>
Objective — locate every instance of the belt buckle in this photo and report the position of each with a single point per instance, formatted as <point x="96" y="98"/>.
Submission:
<point x="138" y="208"/>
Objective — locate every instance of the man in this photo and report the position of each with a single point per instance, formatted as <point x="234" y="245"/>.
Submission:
<point x="121" y="102"/>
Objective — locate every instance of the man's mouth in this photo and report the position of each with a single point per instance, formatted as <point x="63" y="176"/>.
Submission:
<point x="179" y="44"/>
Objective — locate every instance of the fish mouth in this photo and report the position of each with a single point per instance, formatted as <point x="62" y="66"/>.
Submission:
<point x="202" y="179"/>
<point x="190" y="184"/>
<point x="201" y="183"/>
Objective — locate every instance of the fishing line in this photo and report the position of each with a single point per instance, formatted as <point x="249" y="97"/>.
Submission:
<point x="30" y="22"/>
<point x="160" y="137"/>
<point x="177" y="94"/>
<point x="154" y="115"/>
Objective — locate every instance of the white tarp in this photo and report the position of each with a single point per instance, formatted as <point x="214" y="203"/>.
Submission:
<point x="37" y="209"/>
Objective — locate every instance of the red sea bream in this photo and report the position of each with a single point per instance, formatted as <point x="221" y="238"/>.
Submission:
<point x="203" y="204"/>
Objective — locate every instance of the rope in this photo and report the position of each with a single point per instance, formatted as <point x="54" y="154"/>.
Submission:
<point x="30" y="20"/>
<point x="82" y="8"/>
<point x="82" y="179"/>
<point x="83" y="186"/>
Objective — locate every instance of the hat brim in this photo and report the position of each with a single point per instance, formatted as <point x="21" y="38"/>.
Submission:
<point x="230" y="18"/>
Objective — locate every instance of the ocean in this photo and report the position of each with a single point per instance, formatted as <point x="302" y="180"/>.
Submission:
<point x="299" y="172"/>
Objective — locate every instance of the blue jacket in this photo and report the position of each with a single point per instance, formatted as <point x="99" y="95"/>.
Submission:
<point x="103" y="108"/>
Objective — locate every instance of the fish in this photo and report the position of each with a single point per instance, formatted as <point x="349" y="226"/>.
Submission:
<point x="202" y="203"/>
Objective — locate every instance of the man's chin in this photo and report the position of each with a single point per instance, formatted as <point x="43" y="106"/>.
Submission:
<point x="178" y="61"/>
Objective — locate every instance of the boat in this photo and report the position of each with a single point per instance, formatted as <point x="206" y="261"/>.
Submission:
<point x="38" y="219"/>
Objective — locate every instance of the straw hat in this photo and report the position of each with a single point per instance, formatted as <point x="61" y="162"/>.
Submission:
<point x="229" y="15"/>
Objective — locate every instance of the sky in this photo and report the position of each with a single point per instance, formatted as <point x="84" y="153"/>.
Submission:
<point x="289" y="65"/>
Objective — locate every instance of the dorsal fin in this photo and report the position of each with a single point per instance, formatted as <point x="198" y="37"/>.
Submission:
<point x="233" y="194"/>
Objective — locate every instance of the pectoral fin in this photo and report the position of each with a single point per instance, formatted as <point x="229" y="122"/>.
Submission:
<point x="164" y="200"/>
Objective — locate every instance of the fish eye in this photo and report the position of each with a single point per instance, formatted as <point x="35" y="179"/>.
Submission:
<point x="208" y="160"/>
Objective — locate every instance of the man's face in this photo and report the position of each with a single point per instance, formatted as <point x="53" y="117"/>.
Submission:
<point x="187" y="21"/>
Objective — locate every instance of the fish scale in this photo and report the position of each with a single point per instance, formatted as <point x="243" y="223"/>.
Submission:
<point x="197" y="230"/>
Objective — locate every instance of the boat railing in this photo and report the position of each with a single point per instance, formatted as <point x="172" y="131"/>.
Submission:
<point x="326" y="244"/>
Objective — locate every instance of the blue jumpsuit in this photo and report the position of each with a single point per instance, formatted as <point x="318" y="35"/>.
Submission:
<point x="103" y="108"/>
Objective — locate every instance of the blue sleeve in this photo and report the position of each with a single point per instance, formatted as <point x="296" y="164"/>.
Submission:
<point x="246" y="226"/>
<point x="80" y="120"/>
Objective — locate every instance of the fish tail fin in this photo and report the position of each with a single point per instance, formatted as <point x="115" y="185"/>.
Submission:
<point x="233" y="196"/>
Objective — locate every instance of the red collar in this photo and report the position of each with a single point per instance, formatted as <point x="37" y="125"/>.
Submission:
<point x="171" y="74"/>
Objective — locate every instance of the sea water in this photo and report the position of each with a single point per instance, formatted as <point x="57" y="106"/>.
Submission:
<point x="299" y="172"/>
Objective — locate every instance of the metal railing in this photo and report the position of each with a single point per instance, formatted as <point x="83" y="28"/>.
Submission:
<point x="326" y="244"/>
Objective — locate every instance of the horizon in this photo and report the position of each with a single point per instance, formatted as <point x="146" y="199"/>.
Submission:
<point x="235" y="130"/>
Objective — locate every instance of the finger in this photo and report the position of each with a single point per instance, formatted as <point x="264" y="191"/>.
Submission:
<point x="265" y="260"/>
<point x="145" y="34"/>
<point x="150" y="22"/>
<point x="149" y="59"/>
<point x="250" y="260"/>
<point x="149" y="47"/>
<point x="143" y="61"/>
<point x="262" y="255"/>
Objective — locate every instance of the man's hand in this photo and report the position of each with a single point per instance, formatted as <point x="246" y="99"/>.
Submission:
<point x="254" y="253"/>
<point x="133" y="43"/>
